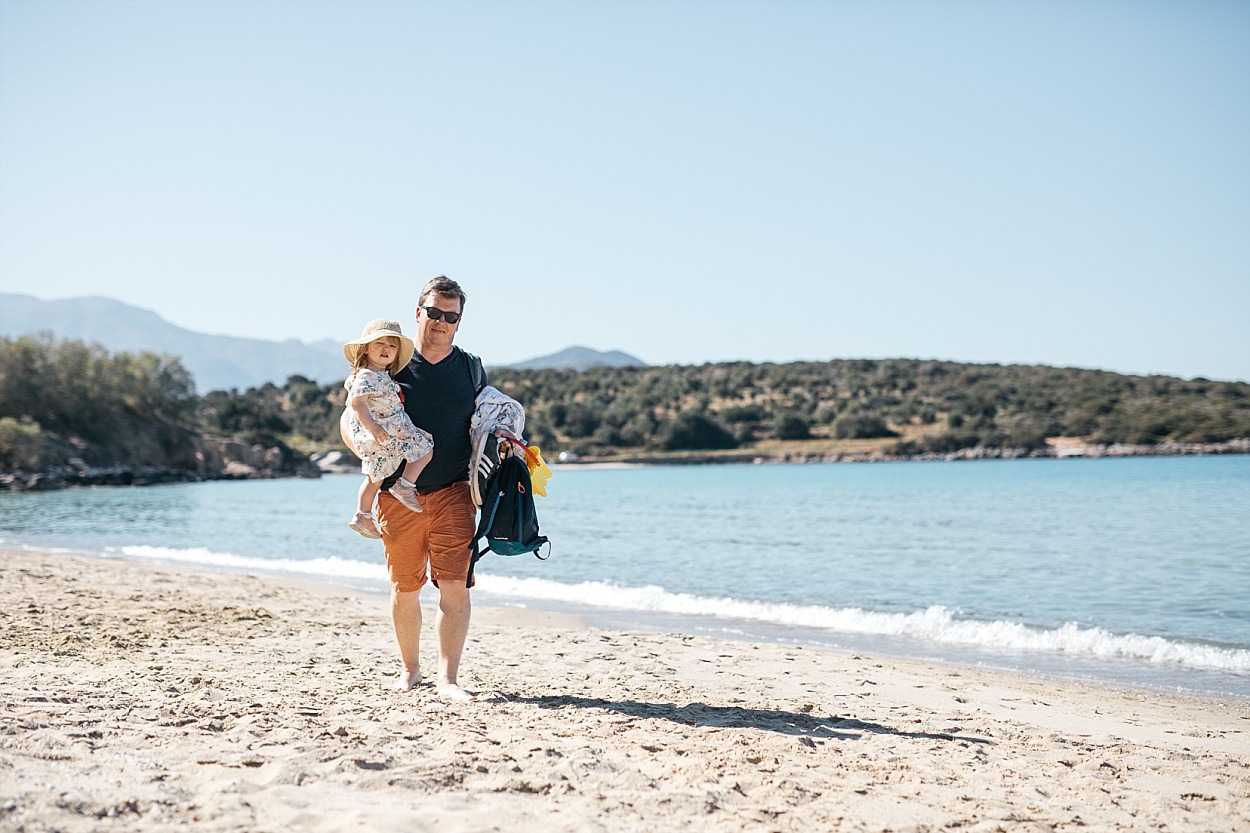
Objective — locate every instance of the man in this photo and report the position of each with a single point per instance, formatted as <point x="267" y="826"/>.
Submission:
<point x="439" y="391"/>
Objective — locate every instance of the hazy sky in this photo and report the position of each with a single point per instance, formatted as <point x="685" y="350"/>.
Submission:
<point x="1061" y="183"/>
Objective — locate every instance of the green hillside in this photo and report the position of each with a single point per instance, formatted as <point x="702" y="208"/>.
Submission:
<point x="69" y="398"/>
<point x="894" y="406"/>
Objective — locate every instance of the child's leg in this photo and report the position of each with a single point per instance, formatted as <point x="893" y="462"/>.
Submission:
<point x="405" y="489"/>
<point x="368" y="491"/>
<point x="413" y="468"/>
<point x="363" y="521"/>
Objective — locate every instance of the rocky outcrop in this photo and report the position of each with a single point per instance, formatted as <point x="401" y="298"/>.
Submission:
<point x="336" y="462"/>
<point x="233" y="459"/>
<point x="1079" y="449"/>
<point x="190" y="458"/>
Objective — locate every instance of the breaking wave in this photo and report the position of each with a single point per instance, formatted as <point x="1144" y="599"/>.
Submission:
<point x="935" y="624"/>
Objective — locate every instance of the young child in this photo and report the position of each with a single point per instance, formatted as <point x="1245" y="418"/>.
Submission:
<point x="383" y="435"/>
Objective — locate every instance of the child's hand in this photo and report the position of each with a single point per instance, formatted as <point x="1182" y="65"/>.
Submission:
<point x="379" y="435"/>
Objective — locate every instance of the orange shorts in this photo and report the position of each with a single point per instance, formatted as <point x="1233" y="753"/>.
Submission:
<point x="433" y="543"/>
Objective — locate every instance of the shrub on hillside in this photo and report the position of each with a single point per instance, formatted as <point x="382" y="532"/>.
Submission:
<point x="692" y="431"/>
<point x="19" y="443"/>
<point x="791" y="426"/>
<point x="861" y="427"/>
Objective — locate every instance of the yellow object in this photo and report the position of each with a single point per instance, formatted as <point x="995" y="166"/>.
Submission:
<point x="540" y="472"/>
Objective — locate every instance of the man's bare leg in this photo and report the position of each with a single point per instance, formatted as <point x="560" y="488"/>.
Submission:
<point x="452" y="626"/>
<point x="406" y="616"/>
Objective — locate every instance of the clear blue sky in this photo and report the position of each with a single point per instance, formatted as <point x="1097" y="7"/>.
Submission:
<point x="1061" y="183"/>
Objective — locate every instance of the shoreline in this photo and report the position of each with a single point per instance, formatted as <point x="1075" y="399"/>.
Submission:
<point x="336" y="462"/>
<point x="1060" y="667"/>
<point x="143" y="695"/>
<point x="1058" y="448"/>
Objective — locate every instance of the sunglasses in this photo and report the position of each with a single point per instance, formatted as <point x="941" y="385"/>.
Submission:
<point x="436" y="314"/>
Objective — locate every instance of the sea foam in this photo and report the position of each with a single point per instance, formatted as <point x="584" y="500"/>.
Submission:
<point x="330" y="568"/>
<point x="934" y="624"/>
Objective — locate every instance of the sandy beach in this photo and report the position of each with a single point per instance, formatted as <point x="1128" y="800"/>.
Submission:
<point x="139" y="697"/>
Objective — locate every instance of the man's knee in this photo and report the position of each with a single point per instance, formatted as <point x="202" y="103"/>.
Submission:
<point x="406" y="598"/>
<point x="453" y="597"/>
<point x="406" y="607"/>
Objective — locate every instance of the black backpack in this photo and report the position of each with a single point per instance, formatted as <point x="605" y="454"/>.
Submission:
<point x="509" y="521"/>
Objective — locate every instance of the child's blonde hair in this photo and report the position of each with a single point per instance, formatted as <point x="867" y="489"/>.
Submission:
<point x="362" y="360"/>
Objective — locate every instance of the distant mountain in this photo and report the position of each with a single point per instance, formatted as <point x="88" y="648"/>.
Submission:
<point x="580" y="358"/>
<point x="216" y="362"/>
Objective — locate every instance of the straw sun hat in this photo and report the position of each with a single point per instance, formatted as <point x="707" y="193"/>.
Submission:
<point x="374" y="330"/>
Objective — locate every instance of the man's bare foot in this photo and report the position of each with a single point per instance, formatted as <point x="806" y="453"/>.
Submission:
<point x="451" y="691"/>
<point x="408" y="680"/>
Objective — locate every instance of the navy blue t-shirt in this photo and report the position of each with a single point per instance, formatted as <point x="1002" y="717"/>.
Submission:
<point x="440" y="398"/>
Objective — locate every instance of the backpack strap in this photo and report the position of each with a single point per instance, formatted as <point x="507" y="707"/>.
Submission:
<point x="477" y="373"/>
<point x="483" y="526"/>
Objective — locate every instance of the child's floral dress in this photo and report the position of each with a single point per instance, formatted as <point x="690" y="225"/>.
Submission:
<point x="405" y="442"/>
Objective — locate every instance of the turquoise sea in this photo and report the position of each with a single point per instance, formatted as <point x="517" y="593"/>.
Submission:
<point x="1132" y="570"/>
